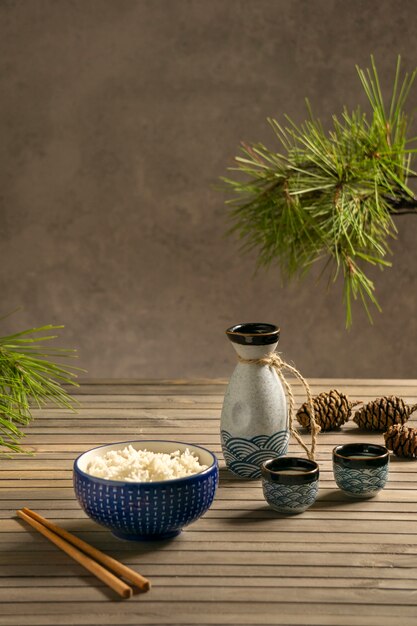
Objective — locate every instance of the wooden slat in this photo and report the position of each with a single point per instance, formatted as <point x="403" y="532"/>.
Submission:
<point x="256" y="603"/>
<point x="237" y="515"/>
<point x="341" y="563"/>
<point x="237" y="577"/>
<point x="71" y="598"/>
<point x="302" y="614"/>
<point x="16" y="542"/>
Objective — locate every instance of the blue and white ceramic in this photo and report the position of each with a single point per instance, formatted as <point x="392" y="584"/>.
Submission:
<point x="254" y="420"/>
<point x="146" y="510"/>
<point x="360" y="469"/>
<point x="290" y="484"/>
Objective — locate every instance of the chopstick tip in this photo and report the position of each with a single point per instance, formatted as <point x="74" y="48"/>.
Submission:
<point x="128" y="593"/>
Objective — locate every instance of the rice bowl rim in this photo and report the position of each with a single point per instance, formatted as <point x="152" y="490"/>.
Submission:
<point x="108" y="481"/>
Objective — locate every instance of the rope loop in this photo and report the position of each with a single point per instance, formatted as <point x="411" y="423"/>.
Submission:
<point x="274" y="360"/>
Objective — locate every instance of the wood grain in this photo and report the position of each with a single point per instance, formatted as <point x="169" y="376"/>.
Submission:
<point x="341" y="563"/>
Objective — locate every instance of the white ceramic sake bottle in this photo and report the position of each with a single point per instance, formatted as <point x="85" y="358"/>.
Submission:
<point x="254" y="420"/>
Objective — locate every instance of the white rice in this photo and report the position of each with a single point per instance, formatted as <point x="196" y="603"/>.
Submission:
<point x="143" y="466"/>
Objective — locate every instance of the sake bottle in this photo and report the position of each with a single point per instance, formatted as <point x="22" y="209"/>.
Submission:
<point x="254" y="419"/>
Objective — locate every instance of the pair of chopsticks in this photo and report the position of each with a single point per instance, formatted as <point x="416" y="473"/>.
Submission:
<point x="86" y="555"/>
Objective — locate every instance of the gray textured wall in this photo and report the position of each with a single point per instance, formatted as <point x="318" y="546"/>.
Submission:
<point x="117" y="117"/>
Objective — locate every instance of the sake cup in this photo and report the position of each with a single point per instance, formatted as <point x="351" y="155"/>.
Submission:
<point x="360" y="469"/>
<point x="290" y="484"/>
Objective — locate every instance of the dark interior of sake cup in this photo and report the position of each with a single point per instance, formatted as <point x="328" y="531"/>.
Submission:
<point x="360" y="455"/>
<point x="305" y="471"/>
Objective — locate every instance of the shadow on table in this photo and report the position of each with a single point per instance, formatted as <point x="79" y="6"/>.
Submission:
<point x="401" y="459"/>
<point x="261" y="514"/>
<point x="331" y="499"/>
<point x="226" y="476"/>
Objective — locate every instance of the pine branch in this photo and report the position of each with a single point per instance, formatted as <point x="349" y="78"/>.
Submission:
<point x="28" y="377"/>
<point x="329" y="194"/>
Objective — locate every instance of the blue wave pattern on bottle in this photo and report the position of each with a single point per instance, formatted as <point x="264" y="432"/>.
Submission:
<point x="361" y="482"/>
<point x="245" y="456"/>
<point x="290" y="498"/>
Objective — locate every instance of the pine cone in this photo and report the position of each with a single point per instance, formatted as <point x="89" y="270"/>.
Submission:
<point x="382" y="413"/>
<point x="402" y="440"/>
<point x="331" y="410"/>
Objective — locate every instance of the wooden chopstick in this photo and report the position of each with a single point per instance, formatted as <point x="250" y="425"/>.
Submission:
<point x="68" y="542"/>
<point x="92" y="566"/>
<point x="134" y="577"/>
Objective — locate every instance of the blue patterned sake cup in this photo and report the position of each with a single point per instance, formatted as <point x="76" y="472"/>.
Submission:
<point x="360" y="469"/>
<point x="146" y="510"/>
<point x="290" y="484"/>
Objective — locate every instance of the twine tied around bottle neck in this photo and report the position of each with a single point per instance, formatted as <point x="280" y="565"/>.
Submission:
<point x="275" y="361"/>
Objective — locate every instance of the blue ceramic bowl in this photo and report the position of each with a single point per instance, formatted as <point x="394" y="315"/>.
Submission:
<point x="151" y="510"/>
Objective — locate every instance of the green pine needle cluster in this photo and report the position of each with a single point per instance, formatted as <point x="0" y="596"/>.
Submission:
<point x="329" y="194"/>
<point x="29" y="378"/>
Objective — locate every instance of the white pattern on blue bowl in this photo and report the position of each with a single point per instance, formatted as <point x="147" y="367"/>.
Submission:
<point x="151" y="510"/>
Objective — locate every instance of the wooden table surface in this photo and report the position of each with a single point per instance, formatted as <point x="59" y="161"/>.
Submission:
<point x="342" y="562"/>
